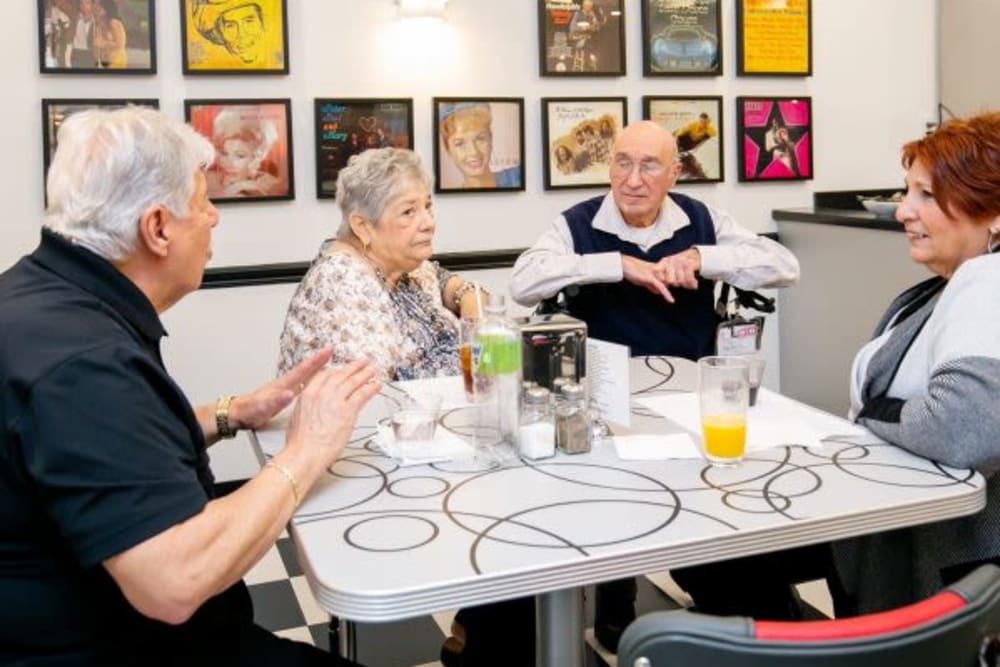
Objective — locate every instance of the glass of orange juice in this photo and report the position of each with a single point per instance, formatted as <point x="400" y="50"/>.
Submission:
<point x="724" y="394"/>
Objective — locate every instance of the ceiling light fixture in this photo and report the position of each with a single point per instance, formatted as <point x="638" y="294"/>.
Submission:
<point x="411" y="9"/>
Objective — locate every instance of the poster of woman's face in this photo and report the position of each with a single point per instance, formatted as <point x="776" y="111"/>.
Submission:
<point x="346" y="127"/>
<point x="97" y="36"/>
<point x="696" y="123"/>
<point x="775" y="138"/>
<point x="253" y="148"/>
<point x="479" y="144"/>
<point x="578" y="135"/>
<point x="234" y="36"/>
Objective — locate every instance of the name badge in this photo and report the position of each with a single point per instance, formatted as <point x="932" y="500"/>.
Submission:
<point x="739" y="336"/>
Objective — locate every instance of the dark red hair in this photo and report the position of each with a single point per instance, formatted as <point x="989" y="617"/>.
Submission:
<point x="963" y="159"/>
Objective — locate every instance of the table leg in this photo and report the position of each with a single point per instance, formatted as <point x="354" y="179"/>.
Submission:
<point x="559" y="629"/>
<point x="345" y="633"/>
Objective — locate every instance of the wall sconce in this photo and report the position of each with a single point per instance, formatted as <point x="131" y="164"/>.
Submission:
<point x="410" y="9"/>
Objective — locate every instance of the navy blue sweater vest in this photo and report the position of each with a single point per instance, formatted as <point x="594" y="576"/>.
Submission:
<point x="630" y="315"/>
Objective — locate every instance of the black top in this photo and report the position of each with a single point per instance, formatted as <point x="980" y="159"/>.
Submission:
<point x="630" y="315"/>
<point x="99" y="451"/>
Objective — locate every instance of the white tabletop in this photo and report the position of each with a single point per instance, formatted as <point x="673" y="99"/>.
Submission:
<point x="381" y="542"/>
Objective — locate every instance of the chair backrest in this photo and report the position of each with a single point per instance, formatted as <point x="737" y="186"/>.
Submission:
<point x="944" y="630"/>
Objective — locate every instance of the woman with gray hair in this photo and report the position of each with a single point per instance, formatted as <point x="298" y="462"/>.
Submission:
<point x="372" y="292"/>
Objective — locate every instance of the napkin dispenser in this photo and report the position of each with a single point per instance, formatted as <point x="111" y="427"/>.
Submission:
<point x="553" y="345"/>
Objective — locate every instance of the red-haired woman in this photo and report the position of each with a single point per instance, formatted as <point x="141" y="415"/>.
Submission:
<point x="929" y="379"/>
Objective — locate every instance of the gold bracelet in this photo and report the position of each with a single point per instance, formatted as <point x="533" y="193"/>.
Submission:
<point x="289" y="476"/>
<point x="222" y="417"/>
<point x="460" y="291"/>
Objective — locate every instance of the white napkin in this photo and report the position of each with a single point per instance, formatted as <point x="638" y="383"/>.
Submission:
<point x="446" y="446"/>
<point x="656" y="447"/>
<point x="774" y="421"/>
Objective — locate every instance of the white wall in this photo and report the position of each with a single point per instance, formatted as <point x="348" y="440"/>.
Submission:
<point x="873" y="87"/>
<point x="969" y="51"/>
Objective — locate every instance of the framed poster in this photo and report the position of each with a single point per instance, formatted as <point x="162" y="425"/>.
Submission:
<point x="234" y="36"/>
<point x="478" y="144"/>
<point x="253" y="148"/>
<point x="775" y="138"/>
<point x="345" y="127"/>
<point x="55" y="111"/>
<point x="581" y="37"/>
<point x="97" y="36"/>
<point x="577" y="136"/>
<point x="774" y="37"/>
<point x="696" y="123"/>
<point x="681" y="37"/>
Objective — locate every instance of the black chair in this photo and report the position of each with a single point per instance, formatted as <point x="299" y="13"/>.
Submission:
<point x="955" y="628"/>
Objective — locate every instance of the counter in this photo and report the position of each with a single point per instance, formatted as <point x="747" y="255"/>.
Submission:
<point x="853" y="265"/>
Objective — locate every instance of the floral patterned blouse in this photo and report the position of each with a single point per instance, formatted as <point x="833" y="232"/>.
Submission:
<point x="342" y="302"/>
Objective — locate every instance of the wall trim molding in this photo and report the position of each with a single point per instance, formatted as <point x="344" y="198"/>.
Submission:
<point x="292" y="272"/>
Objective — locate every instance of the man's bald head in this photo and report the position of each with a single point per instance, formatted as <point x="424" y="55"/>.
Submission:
<point x="643" y="169"/>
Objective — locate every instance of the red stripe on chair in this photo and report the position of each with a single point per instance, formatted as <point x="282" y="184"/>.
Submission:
<point x="861" y="626"/>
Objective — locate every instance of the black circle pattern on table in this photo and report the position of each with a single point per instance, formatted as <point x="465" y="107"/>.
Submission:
<point x="778" y="482"/>
<point x="387" y="508"/>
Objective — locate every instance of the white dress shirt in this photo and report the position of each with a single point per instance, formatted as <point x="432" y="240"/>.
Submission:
<point x="740" y="257"/>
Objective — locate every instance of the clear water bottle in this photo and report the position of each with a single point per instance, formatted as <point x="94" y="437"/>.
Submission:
<point x="497" y="378"/>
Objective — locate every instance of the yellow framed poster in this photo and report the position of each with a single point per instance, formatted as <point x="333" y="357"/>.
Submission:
<point x="234" y="36"/>
<point x="774" y="37"/>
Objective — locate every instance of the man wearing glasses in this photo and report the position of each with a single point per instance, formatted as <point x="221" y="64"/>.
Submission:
<point x="639" y="264"/>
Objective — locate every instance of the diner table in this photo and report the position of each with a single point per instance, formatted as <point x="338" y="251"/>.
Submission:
<point x="380" y="541"/>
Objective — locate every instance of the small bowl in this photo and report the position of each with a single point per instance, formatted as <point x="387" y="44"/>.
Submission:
<point x="881" y="207"/>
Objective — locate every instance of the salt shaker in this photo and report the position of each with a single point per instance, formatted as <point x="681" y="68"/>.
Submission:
<point x="572" y="420"/>
<point x="537" y="431"/>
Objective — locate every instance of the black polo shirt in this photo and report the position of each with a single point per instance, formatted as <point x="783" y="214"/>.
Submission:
<point x="99" y="451"/>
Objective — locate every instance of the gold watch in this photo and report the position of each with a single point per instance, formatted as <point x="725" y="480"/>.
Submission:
<point x="222" y="417"/>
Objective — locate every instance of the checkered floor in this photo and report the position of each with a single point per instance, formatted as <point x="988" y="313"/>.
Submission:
<point x="284" y="604"/>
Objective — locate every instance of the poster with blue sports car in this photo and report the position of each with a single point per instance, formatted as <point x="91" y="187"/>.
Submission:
<point x="681" y="37"/>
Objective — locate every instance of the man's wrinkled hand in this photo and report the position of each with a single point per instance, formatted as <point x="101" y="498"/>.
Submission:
<point x="642" y="273"/>
<point x="680" y="270"/>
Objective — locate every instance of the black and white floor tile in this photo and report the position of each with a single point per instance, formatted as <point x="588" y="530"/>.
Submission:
<point x="284" y="604"/>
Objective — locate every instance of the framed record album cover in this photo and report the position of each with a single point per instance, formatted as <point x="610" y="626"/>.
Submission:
<point x="581" y="37"/>
<point x="696" y="123"/>
<point x="774" y="37"/>
<point x="346" y="127"/>
<point x="775" y="138"/>
<point x="578" y="134"/>
<point x="253" y="148"/>
<point x="478" y="144"/>
<point x="681" y="37"/>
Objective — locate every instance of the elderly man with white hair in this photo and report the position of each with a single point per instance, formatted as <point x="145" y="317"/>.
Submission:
<point x="114" y="549"/>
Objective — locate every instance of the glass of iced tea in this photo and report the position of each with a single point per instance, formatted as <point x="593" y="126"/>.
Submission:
<point x="724" y="395"/>
<point x="467" y="329"/>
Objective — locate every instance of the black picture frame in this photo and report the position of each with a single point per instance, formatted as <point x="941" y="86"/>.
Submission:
<point x="347" y="126"/>
<point x="777" y="24"/>
<point x="700" y="143"/>
<point x="205" y="49"/>
<point x="56" y="109"/>
<point x="570" y="45"/>
<point x="578" y="134"/>
<point x="685" y="40"/>
<point x="254" y="159"/>
<point x="478" y="124"/>
<point x="763" y="154"/>
<point x="130" y="21"/>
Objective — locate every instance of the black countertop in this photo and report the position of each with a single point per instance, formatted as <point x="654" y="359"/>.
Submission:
<point x="837" y="217"/>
